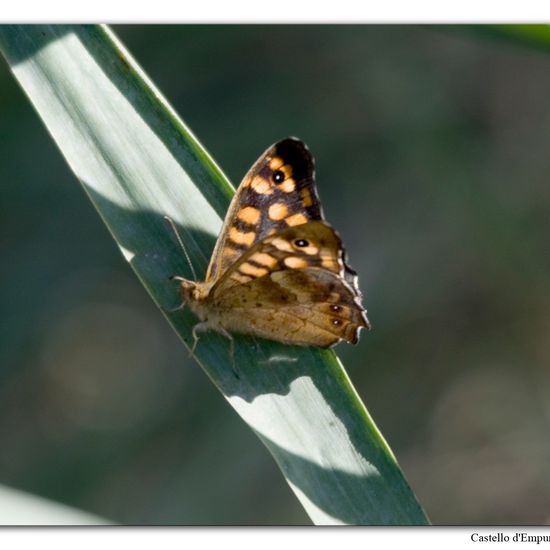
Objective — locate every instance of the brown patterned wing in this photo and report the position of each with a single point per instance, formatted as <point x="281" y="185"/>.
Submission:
<point x="291" y="287"/>
<point x="276" y="193"/>
<point x="311" y="307"/>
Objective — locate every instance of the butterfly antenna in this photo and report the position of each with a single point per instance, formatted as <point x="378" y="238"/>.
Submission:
<point x="175" y="230"/>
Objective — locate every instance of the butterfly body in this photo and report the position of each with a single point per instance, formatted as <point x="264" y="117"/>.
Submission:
<point x="278" y="269"/>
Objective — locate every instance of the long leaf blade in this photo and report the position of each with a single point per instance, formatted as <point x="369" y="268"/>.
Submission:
<point x="138" y="162"/>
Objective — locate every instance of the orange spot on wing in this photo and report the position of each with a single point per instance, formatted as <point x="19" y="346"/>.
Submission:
<point x="277" y="211"/>
<point x="249" y="214"/>
<point x="295" y="263"/>
<point x="249" y="269"/>
<point x="296" y="219"/>
<point x="228" y="253"/>
<point x="307" y="199"/>
<point x="243" y="279"/>
<point x="288" y="185"/>
<point x="281" y="244"/>
<point x="264" y="259"/>
<point x="275" y="163"/>
<point x="261" y="186"/>
<point x="242" y="237"/>
<point x="310" y="250"/>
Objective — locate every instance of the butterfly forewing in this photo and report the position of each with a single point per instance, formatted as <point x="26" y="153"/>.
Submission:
<point x="277" y="192"/>
<point x="313" y="244"/>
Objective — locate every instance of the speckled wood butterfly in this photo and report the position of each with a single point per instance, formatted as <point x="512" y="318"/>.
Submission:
<point x="278" y="269"/>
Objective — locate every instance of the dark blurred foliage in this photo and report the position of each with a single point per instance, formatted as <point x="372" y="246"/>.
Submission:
<point x="432" y="162"/>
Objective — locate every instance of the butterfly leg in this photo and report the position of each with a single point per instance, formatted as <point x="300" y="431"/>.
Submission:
<point x="199" y="327"/>
<point x="224" y="332"/>
<point x="178" y="308"/>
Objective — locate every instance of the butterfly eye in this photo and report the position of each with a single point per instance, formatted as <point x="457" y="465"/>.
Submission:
<point x="335" y="308"/>
<point x="301" y="243"/>
<point x="278" y="176"/>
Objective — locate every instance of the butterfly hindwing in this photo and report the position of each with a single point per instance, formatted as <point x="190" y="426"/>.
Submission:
<point x="277" y="192"/>
<point x="292" y="283"/>
<point x="307" y="307"/>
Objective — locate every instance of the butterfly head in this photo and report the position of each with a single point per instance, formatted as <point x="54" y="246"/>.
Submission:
<point x="192" y="291"/>
<point x="194" y="294"/>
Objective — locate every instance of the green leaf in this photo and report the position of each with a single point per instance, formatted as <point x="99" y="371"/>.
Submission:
<point x="138" y="162"/>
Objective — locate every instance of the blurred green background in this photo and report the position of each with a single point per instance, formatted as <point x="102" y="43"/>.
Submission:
<point x="432" y="162"/>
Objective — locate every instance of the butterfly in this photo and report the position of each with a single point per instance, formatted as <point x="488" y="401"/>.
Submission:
<point x="278" y="269"/>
